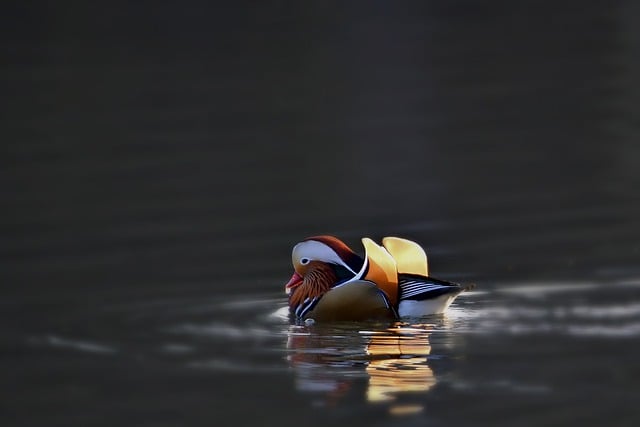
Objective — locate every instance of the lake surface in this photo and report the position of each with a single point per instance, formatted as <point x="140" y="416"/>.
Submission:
<point x="522" y="354"/>
<point x="159" y="163"/>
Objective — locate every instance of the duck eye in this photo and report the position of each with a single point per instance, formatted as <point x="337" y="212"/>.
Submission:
<point x="304" y="261"/>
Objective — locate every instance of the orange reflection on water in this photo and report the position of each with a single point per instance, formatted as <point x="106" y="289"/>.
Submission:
<point x="398" y="364"/>
<point x="393" y="360"/>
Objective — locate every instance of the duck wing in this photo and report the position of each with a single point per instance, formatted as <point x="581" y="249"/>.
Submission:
<point x="418" y="288"/>
<point x="422" y="295"/>
<point x="409" y="256"/>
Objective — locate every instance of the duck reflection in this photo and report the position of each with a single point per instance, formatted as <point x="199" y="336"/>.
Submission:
<point x="398" y="363"/>
<point x="387" y="361"/>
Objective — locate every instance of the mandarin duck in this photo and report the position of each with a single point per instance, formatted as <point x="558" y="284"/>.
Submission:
<point x="331" y="282"/>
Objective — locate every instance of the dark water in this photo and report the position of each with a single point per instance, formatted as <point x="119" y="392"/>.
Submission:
<point x="158" y="163"/>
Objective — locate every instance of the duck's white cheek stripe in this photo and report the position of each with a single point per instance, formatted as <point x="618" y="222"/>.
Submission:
<point x="317" y="251"/>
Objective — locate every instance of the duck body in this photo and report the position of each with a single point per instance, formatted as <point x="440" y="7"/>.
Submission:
<point x="354" y="301"/>
<point x="333" y="283"/>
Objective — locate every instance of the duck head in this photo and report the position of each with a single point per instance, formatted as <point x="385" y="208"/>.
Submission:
<point x="319" y="263"/>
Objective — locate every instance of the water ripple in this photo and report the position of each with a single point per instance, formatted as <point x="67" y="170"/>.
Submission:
<point x="74" y="344"/>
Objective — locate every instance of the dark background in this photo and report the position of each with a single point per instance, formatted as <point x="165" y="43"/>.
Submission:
<point x="153" y="143"/>
<point x="163" y="149"/>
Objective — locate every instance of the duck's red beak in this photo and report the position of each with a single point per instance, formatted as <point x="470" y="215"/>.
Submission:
<point x="296" y="280"/>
